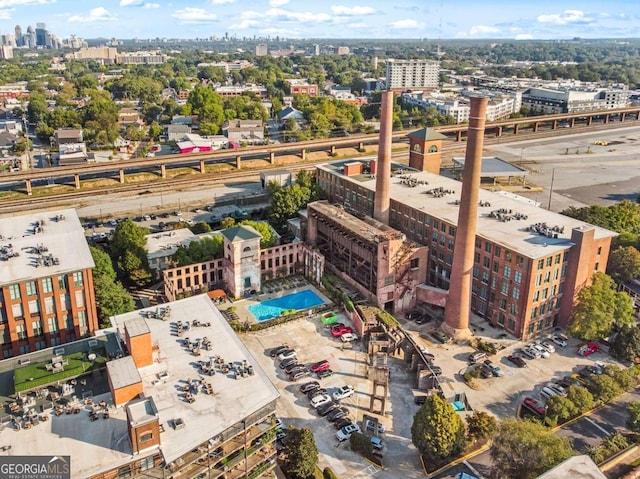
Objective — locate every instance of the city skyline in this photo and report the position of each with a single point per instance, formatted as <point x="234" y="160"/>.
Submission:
<point x="461" y="19"/>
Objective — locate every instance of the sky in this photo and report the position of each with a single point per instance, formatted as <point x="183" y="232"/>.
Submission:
<point x="432" y="19"/>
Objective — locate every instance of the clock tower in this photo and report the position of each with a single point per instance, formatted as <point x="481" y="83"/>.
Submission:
<point x="425" y="150"/>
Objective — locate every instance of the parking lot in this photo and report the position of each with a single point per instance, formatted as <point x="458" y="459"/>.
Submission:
<point x="313" y="343"/>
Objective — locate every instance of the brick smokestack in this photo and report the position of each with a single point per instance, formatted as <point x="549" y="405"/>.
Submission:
<point x="458" y="308"/>
<point x="381" y="200"/>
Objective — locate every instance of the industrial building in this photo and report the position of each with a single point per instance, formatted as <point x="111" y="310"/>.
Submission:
<point x="189" y="401"/>
<point x="46" y="282"/>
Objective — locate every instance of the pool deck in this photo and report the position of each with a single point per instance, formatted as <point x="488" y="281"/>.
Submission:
<point x="242" y="305"/>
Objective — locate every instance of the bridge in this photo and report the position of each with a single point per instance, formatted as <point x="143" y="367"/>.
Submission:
<point x="516" y="126"/>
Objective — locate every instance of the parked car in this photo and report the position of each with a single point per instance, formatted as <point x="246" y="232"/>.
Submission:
<point x="530" y="353"/>
<point x="279" y="350"/>
<point x="337" y="413"/>
<point x="441" y="337"/>
<point x="548" y="345"/>
<point x="568" y="381"/>
<point x="532" y="404"/>
<point x="288" y="354"/>
<point x="477" y="357"/>
<point x="414" y="314"/>
<point x="316" y="392"/>
<point x="345" y="433"/>
<point x="377" y="443"/>
<point x="558" y="388"/>
<point x="309" y="386"/>
<point x="559" y="340"/>
<point x="320" y="366"/>
<point x="517" y="360"/>
<point x="543" y="352"/>
<point x="319" y="400"/>
<point x="298" y="375"/>
<point x="324" y="374"/>
<point x="339" y="330"/>
<point x="326" y="408"/>
<point x="342" y="422"/>
<point x="288" y="362"/>
<point x="343" y="392"/>
<point x="588" y="349"/>
<point x="548" y="392"/>
<point x="370" y="425"/>
<point x="494" y="368"/>
<point x="348" y="337"/>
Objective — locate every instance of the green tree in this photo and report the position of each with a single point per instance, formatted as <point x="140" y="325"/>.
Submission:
<point x="437" y="431"/>
<point x="561" y="408"/>
<point x="128" y="250"/>
<point x="207" y="248"/>
<point x="111" y="297"/>
<point x="600" y="307"/>
<point x="200" y="227"/>
<point x="227" y="222"/>
<point x="481" y="425"/>
<point x="133" y="133"/>
<point x="633" y="421"/>
<point x="361" y="443"/>
<point x="623" y="377"/>
<point x="624" y="264"/>
<point x="581" y="398"/>
<point x="268" y="239"/>
<point x="604" y="388"/>
<point x="626" y="345"/>
<point x="525" y="449"/>
<point x="300" y="453"/>
<point x="155" y="130"/>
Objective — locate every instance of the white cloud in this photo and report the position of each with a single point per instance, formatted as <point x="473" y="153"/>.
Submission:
<point x="16" y="3"/>
<point x="278" y="3"/>
<point x="357" y="25"/>
<point x="5" y="14"/>
<point x="244" y="24"/>
<point x="404" y="24"/>
<point x="191" y="15"/>
<point x="98" y="14"/>
<point x="349" y="11"/>
<point x="524" y="36"/>
<point x="130" y="3"/>
<point x="219" y="2"/>
<point x="301" y="17"/>
<point x="482" y="29"/>
<point x="568" y="16"/>
<point x="151" y="5"/>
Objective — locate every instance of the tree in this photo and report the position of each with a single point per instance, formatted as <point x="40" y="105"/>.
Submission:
<point x="361" y="443"/>
<point x="128" y="250"/>
<point x="208" y="248"/>
<point x="604" y="388"/>
<point x="581" y="398"/>
<point x="268" y="239"/>
<point x="200" y="227"/>
<point x="155" y="130"/>
<point x="111" y="297"/>
<point x="525" y="449"/>
<point x="633" y="421"/>
<point x="227" y="222"/>
<point x="437" y="431"/>
<point x="626" y="346"/>
<point x="624" y="264"/>
<point x="623" y="377"/>
<point x="481" y="425"/>
<point x="599" y="308"/>
<point x="561" y="408"/>
<point x="300" y="453"/>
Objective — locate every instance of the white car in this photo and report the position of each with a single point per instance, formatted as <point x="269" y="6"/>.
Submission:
<point x="343" y="393"/>
<point x="345" y="433"/>
<point x="376" y="443"/>
<point x="548" y="345"/>
<point x="543" y="352"/>
<point x="348" y="337"/>
<point x="532" y="352"/>
<point x="319" y="400"/>
<point x="287" y="355"/>
<point x="559" y="340"/>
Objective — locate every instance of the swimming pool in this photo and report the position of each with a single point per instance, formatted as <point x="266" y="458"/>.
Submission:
<point x="272" y="308"/>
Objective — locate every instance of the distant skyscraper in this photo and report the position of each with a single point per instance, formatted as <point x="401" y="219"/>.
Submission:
<point x="42" y="35"/>
<point x="19" y="39"/>
<point x="30" y="41"/>
<point x="261" y="50"/>
<point x="316" y="49"/>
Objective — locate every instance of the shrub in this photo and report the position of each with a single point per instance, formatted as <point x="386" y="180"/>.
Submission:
<point x="361" y="444"/>
<point x="232" y="309"/>
<point x="329" y="474"/>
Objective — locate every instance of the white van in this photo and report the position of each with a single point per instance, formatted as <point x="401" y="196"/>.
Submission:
<point x="548" y="392"/>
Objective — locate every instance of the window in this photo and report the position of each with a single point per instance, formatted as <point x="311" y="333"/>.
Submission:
<point x="503" y="303"/>
<point x="538" y="280"/>
<point x="475" y="272"/>
<point x="536" y="296"/>
<point x="80" y="298"/>
<point x="519" y="260"/>
<point x="549" y="261"/>
<point x="82" y="319"/>
<point x="485" y="277"/>
<point x="415" y="263"/>
<point x="505" y="288"/>
<point x="30" y="286"/>
<point x="49" y="305"/>
<point x="497" y="251"/>
<point x="599" y="249"/>
<point x="69" y="322"/>
<point x="558" y="259"/>
<point x="507" y="272"/>
<point x="146" y="437"/>
<point x="496" y="266"/>
<point x="476" y="258"/>
<point x="17" y="310"/>
<point x="545" y="293"/>
<point x="452" y="231"/>
<point x="64" y="302"/>
<point x="487" y="262"/>
<point x="512" y="325"/>
<point x="534" y="313"/>
<point x="487" y="247"/>
<point x="52" y="323"/>
<point x="34" y="307"/>
<point x="541" y="264"/>
<point x="37" y="328"/>
<point x="388" y="280"/>
<point x="14" y="291"/>
<point x="146" y="463"/>
<point x="507" y="256"/>
<point x="517" y="276"/>
<point x="547" y="276"/>
<point x="77" y="279"/>
<point x="443" y="227"/>
<point x="47" y="285"/>
<point x="515" y="293"/>
<point x="21" y="331"/>
<point x="597" y="266"/>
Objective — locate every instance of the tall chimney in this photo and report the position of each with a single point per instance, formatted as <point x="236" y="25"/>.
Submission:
<point x="381" y="201"/>
<point x="458" y="309"/>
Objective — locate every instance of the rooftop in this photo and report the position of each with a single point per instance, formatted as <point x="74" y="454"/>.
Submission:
<point x="240" y="233"/>
<point x="426" y="134"/>
<point x="166" y="243"/>
<point x="576" y="467"/>
<point x="518" y="225"/>
<point x="104" y="443"/>
<point x="42" y="244"/>
<point x="123" y="372"/>
<point x="493" y="166"/>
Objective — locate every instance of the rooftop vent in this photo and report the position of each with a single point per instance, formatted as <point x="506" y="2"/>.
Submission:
<point x="439" y="192"/>
<point x="543" y="229"/>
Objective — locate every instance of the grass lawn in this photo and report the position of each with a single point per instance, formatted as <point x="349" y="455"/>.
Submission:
<point x="36" y="375"/>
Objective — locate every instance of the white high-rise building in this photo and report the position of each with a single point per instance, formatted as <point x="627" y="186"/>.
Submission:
<point x="412" y="73"/>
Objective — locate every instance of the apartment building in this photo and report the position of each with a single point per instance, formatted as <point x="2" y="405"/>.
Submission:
<point x="529" y="262"/>
<point x="406" y="74"/>
<point x="46" y="282"/>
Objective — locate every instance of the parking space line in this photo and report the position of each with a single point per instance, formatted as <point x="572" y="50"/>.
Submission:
<point x="603" y="430"/>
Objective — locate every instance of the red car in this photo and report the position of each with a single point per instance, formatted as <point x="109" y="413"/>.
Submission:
<point x="535" y="406"/>
<point x="588" y="349"/>
<point x="320" y="366"/>
<point x="339" y="330"/>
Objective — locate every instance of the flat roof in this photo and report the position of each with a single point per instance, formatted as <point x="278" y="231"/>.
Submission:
<point x="136" y="327"/>
<point x="166" y="243"/>
<point x="494" y="166"/>
<point x="576" y="467"/>
<point x="439" y="197"/>
<point x="123" y="372"/>
<point x="56" y="246"/>
<point x="103" y="444"/>
<point x="141" y="411"/>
